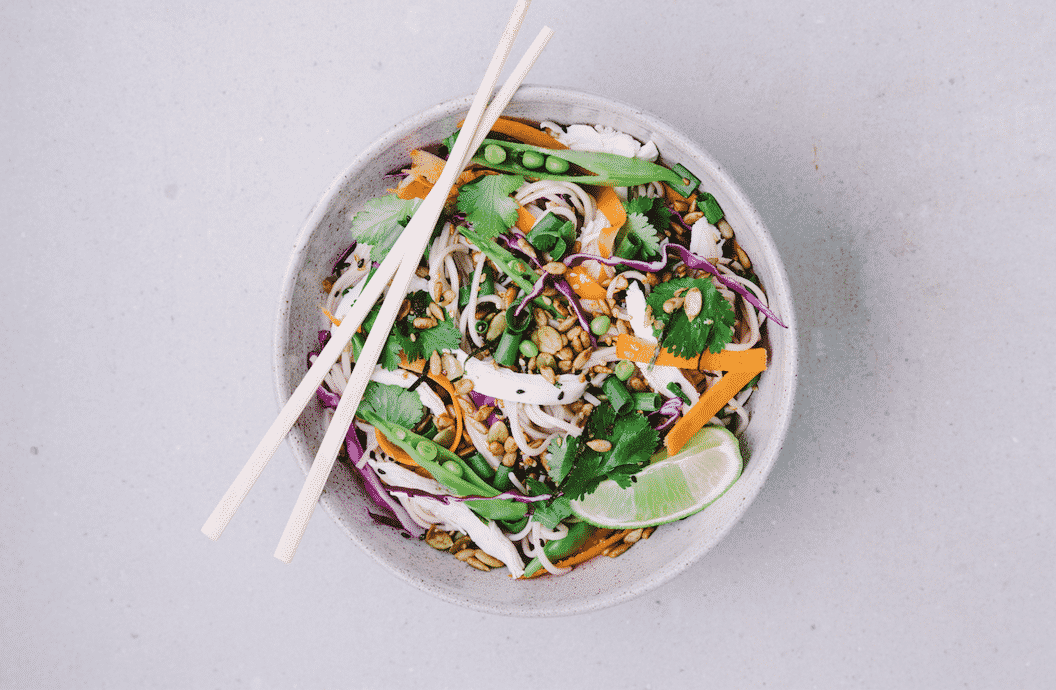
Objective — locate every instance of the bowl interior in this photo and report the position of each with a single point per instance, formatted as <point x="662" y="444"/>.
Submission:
<point x="603" y="581"/>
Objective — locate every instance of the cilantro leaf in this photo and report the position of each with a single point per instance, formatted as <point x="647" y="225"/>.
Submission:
<point x="551" y="513"/>
<point x="380" y="223"/>
<point x="487" y="204"/>
<point x="393" y="404"/>
<point x="562" y="455"/>
<point x="633" y="443"/>
<point x="640" y="239"/>
<point x="712" y="329"/>
<point x="414" y="344"/>
<point x="655" y="210"/>
<point x="444" y="336"/>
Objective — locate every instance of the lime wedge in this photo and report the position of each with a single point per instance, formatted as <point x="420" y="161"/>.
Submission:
<point x="670" y="488"/>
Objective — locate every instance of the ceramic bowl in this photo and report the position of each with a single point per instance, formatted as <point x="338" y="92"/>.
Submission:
<point x="604" y="581"/>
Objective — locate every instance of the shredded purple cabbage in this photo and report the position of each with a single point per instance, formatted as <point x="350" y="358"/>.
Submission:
<point x="480" y="400"/>
<point x="695" y="262"/>
<point x="344" y="255"/>
<point x="565" y="289"/>
<point x="378" y="492"/>
<point x="644" y="266"/>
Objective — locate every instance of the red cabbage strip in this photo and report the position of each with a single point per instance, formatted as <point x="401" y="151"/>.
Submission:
<point x="695" y="262"/>
<point x="562" y="286"/>
<point x="480" y="400"/>
<point x="377" y="491"/>
<point x="565" y="289"/>
<point x="344" y="255"/>
<point x="537" y="290"/>
<point x="644" y="266"/>
<point x="689" y="259"/>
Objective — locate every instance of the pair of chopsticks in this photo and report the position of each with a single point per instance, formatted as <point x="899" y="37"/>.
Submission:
<point x="399" y="266"/>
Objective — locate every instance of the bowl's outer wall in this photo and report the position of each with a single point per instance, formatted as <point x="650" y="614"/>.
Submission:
<point x="602" y="582"/>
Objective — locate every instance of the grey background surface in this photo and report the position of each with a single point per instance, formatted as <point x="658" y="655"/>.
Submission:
<point x="158" y="159"/>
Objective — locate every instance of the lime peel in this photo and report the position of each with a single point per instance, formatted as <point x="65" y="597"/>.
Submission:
<point x="668" y="489"/>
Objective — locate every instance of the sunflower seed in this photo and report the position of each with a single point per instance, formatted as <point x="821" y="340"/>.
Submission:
<point x="600" y="445"/>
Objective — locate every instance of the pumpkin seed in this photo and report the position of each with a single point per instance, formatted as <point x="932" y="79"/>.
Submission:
<point x="694" y="303"/>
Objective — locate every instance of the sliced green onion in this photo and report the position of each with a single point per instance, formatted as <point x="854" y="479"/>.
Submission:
<point x="647" y="402"/>
<point x="619" y="397"/>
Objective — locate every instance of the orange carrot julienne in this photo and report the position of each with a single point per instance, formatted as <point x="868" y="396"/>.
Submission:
<point x="333" y="319"/>
<point x="525" y="220"/>
<point x="392" y="450"/>
<point x="586" y="554"/>
<point x="584" y="283"/>
<point x="445" y="383"/>
<point x="609" y="203"/>
<point x="713" y="400"/>
<point x="638" y="350"/>
<point x="525" y="133"/>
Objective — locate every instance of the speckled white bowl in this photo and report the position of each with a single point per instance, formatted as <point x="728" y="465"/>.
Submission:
<point x="603" y="581"/>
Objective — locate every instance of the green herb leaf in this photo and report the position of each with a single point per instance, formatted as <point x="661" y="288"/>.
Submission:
<point x="655" y="210"/>
<point x="487" y="204"/>
<point x="640" y="238"/>
<point x="393" y="404"/>
<point x="563" y="452"/>
<point x="444" y="336"/>
<point x="551" y="513"/>
<point x="380" y="223"/>
<point x="712" y="329"/>
<point x="633" y="443"/>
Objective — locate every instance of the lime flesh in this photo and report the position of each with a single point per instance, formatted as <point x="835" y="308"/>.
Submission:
<point x="670" y="488"/>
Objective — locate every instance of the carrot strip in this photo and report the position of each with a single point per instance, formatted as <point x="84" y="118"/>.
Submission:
<point x="587" y="553"/>
<point x="609" y="203"/>
<point x="333" y="319"/>
<point x="525" y="133"/>
<point x="412" y="188"/>
<point x="445" y="383"/>
<point x="525" y="220"/>
<point x="584" y="283"/>
<point x="638" y="350"/>
<point x="713" y="400"/>
<point x="393" y="450"/>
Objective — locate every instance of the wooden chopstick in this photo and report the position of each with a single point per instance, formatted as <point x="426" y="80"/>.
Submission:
<point x="414" y="240"/>
<point x="291" y="411"/>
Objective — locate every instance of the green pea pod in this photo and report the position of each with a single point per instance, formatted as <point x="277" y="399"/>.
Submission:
<point x="555" y="550"/>
<point x="610" y="170"/>
<point x="431" y="456"/>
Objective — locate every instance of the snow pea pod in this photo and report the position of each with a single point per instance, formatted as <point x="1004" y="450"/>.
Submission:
<point x="609" y="169"/>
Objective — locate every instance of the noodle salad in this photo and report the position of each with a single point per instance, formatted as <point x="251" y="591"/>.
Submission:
<point x="582" y="318"/>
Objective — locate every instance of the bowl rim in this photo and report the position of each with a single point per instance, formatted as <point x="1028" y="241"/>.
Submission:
<point x="778" y="285"/>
